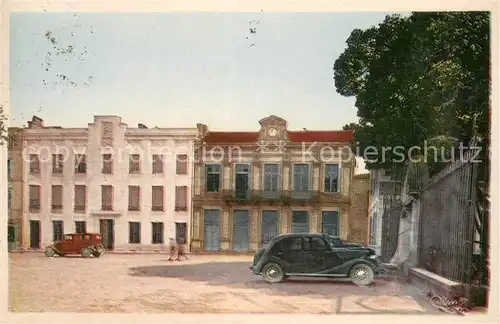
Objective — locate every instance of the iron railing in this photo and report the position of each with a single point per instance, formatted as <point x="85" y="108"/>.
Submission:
<point x="446" y="229"/>
<point x="284" y="196"/>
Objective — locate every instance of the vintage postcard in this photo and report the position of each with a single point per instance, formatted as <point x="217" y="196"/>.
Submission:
<point x="262" y="160"/>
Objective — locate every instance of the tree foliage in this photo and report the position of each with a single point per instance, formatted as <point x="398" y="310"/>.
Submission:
<point x="416" y="78"/>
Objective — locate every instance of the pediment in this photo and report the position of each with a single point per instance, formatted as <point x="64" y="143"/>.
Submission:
<point x="273" y="120"/>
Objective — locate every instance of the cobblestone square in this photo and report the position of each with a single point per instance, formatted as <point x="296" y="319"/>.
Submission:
<point x="214" y="284"/>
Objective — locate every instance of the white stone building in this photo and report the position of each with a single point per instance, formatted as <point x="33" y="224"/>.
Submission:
<point x="130" y="184"/>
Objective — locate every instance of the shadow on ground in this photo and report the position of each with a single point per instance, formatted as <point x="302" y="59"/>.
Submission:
<point x="238" y="275"/>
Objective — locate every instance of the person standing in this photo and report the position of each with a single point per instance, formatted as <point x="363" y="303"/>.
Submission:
<point x="172" y="250"/>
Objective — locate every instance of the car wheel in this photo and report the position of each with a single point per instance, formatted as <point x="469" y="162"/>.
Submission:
<point x="99" y="249"/>
<point x="272" y="273"/>
<point x="49" y="252"/>
<point x="96" y="254"/>
<point x="362" y="274"/>
<point x="86" y="252"/>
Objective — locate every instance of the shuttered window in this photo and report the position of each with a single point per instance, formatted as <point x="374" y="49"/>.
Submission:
<point x="157" y="198"/>
<point x="34" y="193"/>
<point x="134" y="198"/>
<point x="181" y="198"/>
<point x="106" y="197"/>
<point x="57" y="198"/>
<point x="80" y="198"/>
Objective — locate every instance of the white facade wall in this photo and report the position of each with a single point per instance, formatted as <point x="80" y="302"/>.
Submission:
<point x="126" y="141"/>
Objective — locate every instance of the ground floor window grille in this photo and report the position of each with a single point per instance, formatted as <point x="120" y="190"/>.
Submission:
<point x="157" y="237"/>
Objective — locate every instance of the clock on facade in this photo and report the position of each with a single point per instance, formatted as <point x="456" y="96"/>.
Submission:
<point x="272" y="132"/>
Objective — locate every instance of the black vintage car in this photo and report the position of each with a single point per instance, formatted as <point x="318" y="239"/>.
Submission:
<point x="315" y="255"/>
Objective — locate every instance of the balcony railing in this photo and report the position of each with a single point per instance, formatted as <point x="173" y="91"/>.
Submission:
<point x="79" y="208"/>
<point x="285" y="196"/>
<point x="106" y="207"/>
<point x="157" y="208"/>
<point x="34" y="205"/>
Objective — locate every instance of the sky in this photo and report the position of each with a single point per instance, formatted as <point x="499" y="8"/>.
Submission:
<point x="179" y="69"/>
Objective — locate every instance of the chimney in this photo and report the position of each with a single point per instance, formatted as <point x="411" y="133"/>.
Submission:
<point x="141" y="126"/>
<point x="36" y="122"/>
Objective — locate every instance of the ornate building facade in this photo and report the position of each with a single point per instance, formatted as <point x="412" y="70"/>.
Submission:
<point x="251" y="186"/>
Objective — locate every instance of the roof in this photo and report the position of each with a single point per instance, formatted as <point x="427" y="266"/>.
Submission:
<point x="295" y="137"/>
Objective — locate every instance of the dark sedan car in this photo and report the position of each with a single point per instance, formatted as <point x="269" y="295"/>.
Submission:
<point x="315" y="255"/>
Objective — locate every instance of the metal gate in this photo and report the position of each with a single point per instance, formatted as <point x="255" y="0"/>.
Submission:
<point x="390" y="232"/>
<point x="330" y="223"/>
<point x="300" y="221"/>
<point x="270" y="225"/>
<point x="107" y="230"/>
<point x="34" y="234"/>
<point x="212" y="230"/>
<point x="241" y="230"/>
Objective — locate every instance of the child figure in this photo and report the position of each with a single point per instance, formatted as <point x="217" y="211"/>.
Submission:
<point x="172" y="250"/>
<point x="181" y="252"/>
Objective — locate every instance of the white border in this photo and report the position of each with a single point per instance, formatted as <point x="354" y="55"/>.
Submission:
<point x="226" y="6"/>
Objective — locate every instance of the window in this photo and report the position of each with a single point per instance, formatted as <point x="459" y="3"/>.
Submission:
<point x="157" y="198"/>
<point x="80" y="163"/>
<point x="11" y="197"/>
<point x="68" y="237"/>
<point x="242" y="180"/>
<point x="134" y="198"/>
<point x="180" y="233"/>
<point x="106" y="197"/>
<point x="213" y="177"/>
<point x="181" y="164"/>
<point x="314" y="244"/>
<point x="272" y="177"/>
<point x="332" y="178"/>
<point x="57" y="198"/>
<point x="34" y="163"/>
<point x="301" y="176"/>
<point x="181" y="198"/>
<point x="292" y="244"/>
<point x="157" y="234"/>
<point x="57" y="163"/>
<point x="58" y="230"/>
<point x="10" y="168"/>
<point x="134" y="232"/>
<point x="81" y="227"/>
<point x="134" y="164"/>
<point x="34" y="193"/>
<point x="157" y="163"/>
<point x="107" y="164"/>
<point x="80" y="198"/>
<point x="330" y="223"/>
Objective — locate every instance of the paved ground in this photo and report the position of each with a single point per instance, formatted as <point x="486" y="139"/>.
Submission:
<point x="213" y="284"/>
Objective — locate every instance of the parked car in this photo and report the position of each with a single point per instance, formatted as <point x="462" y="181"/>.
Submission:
<point x="86" y="245"/>
<point x="315" y="255"/>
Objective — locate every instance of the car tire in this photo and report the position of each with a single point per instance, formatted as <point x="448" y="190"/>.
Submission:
<point x="272" y="273"/>
<point x="86" y="252"/>
<point x="99" y="249"/>
<point x="49" y="252"/>
<point x="97" y="255"/>
<point x="362" y="274"/>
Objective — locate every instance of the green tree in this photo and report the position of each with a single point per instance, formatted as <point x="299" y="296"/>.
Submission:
<point x="416" y="78"/>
